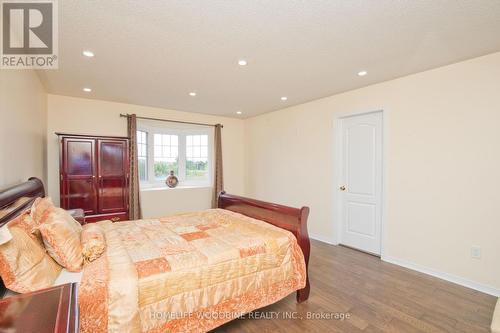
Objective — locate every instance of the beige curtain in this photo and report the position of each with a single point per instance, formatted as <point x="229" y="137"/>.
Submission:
<point x="218" y="174"/>
<point x="134" y="200"/>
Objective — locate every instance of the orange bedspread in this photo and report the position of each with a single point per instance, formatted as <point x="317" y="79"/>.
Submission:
<point x="187" y="273"/>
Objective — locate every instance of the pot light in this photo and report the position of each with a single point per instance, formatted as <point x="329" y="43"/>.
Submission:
<point x="242" y="62"/>
<point x="87" y="89"/>
<point x="192" y="94"/>
<point x="362" y="73"/>
<point x="239" y="112"/>
<point x="284" y="98"/>
<point x="89" y="54"/>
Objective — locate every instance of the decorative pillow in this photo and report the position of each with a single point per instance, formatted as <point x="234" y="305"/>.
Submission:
<point x="39" y="208"/>
<point x="29" y="226"/>
<point x="93" y="242"/>
<point x="61" y="236"/>
<point x="24" y="265"/>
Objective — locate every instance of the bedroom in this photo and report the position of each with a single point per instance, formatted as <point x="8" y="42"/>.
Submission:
<point x="285" y="80"/>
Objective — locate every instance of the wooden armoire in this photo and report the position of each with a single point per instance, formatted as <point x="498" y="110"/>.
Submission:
<point x="94" y="175"/>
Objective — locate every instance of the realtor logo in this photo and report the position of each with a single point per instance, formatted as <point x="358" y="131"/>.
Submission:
<point x="29" y="34"/>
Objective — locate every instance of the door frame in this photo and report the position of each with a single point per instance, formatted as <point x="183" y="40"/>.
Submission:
<point x="337" y="174"/>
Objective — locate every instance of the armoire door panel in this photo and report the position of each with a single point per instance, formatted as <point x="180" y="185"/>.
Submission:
<point x="80" y="193"/>
<point x="78" y="174"/>
<point x="112" y="173"/>
<point x="79" y="157"/>
<point x="112" y="158"/>
<point x="112" y="195"/>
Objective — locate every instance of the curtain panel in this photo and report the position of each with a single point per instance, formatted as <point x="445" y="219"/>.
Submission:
<point x="135" y="212"/>
<point x="218" y="174"/>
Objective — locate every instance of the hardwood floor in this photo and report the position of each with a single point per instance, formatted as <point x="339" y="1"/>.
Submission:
<point x="380" y="297"/>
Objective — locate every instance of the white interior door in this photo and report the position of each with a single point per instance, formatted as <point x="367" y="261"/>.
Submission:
<point x="360" y="186"/>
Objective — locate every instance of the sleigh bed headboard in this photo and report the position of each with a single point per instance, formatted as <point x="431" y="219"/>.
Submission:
<point x="14" y="200"/>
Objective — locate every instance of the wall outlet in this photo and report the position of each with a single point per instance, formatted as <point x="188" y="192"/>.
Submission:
<point x="475" y="252"/>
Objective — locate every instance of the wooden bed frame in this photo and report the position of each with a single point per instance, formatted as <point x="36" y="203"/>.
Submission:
<point x="14" y="200"/>
<point x="288" y="218"/>
<point x="18" y="198"/>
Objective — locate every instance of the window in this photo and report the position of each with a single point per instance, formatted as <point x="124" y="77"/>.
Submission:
<point x="166" y="155"/>
<point x="142" y="154"/>
<point x="196" y="156"/>
<point x="186" y="152"/>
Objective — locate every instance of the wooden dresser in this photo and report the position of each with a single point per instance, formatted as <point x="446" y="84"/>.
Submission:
<point x="94" y="175"/>
<point x="51" y="310"/>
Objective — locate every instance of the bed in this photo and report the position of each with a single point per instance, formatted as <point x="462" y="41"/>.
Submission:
<point x="188" y="272"/>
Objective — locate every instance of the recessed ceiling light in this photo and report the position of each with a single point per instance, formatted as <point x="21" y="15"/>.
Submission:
<point x="362" y="73"/>
<point x="89" y="54"/>
<point x="87" y="89"/>
<point x="284" y="98"/>
<point x="192" y="94"/>
<point x="239" y="112"/>
<point x="242" y="62"/>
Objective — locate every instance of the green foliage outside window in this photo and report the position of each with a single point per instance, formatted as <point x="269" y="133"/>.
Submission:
<point x="196" y="169"/>
<point x="162" y="169"/>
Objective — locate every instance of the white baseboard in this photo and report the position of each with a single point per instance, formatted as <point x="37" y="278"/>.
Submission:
<point x="445" y="276"/>
<point x="322" y="239"/>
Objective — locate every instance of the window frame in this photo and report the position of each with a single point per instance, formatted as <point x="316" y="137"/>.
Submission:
<point x="151" y="181"/>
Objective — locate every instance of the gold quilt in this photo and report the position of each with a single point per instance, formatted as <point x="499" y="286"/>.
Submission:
<point x="187" y="273"/>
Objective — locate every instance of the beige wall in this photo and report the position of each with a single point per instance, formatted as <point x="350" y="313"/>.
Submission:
<point x="86" y="116"/>
<point x="443" y="158"/>
<point x="157" y="203"/>
<point x="22" y="127"/>
<point x="443" y="186"/>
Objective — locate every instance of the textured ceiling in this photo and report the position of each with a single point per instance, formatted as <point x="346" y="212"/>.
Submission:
<point x="155" y="52"/>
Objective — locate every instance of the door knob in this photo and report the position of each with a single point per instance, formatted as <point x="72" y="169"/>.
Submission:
<point x="342" y="188"/>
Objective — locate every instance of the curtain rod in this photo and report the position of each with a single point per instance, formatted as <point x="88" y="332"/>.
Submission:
<point x="171" y="121"/>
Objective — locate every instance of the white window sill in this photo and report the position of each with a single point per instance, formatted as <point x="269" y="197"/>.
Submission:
<point x="180" y="187"/>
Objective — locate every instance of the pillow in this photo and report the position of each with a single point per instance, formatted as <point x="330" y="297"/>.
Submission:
<point x="24" y="265"/>
<point x="61" y="236"/>
<point x="93" y="242"/>
<point x="29" y="226"/>
<point x="39" y="208"/>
